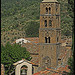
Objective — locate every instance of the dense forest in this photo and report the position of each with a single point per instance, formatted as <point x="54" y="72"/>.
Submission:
<point x="21" y="15"/>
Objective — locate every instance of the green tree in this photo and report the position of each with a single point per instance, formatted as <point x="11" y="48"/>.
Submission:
<point x="32" y="29"/>
<point x="71" y="8"/>
<point x="11" y="54"/>
<point x="71" y="14"/>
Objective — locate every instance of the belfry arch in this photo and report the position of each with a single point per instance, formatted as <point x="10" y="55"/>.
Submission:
<point x="46" y="10"/>
<point x="23" y="68"/>
<point x="49" y="10"/>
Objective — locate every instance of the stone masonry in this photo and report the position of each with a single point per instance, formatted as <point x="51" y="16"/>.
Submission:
<point x="49" y="34"/>
<point x="2" y="69"/>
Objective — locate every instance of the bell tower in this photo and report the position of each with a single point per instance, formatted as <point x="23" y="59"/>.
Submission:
<point x="49" y="33"/>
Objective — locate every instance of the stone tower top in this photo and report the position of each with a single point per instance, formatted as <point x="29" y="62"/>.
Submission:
<point x="49" y="1"/>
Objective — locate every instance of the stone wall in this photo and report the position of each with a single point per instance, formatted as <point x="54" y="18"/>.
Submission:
<point x="49" y="34"/>
<point x="48" y="51"/>
<point x="2" y="69"/>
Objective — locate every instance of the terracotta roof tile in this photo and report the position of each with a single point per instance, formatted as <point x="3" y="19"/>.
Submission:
<point x="33" y="39"/>
<point x="59" y="71"/>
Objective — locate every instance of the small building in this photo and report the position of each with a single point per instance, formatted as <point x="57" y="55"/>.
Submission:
<point x="24" y="67"/>
<point x="21" y="41"/>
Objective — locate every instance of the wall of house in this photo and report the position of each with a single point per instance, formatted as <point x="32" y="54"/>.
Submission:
<point x="2" y="69"/>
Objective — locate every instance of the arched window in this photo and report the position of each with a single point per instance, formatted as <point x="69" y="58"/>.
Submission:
<point x="46" y="10"/>
<point x="50" y="23"/>
<point x="23" y="70"/>
<point x="56" y="7"/>
<point x="49" y="10"/>
<point x="57" y="39"/>
<point x="47" y="39"/>
<point x="45" y="23"/>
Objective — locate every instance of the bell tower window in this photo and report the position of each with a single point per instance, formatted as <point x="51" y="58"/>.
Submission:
<point x="57" y="39"/>
<point x="49" y="10"/>
<point x="56" y="7"/>
<point x="50" y="23"/>
<point x="47" y="39"/>
<point x="46" y="10"/>
<point x="45" y="23"/>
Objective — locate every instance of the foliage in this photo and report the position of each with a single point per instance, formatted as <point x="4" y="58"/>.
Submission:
<point x="32" y="29"/>
<point x="71" y="60"/>
<point x="71" y="14"/>
<point x="17" y="14"/>
<point x="71" y="63"/>
<point x="11" y="54"/>
<point x="71" y="8"/>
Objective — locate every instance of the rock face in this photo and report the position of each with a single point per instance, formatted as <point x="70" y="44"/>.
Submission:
<point x="2" y="69"/>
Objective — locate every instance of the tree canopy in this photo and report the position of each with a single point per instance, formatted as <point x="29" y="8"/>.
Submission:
<point x="71" y="14"/>
<point x="11" y="54"/>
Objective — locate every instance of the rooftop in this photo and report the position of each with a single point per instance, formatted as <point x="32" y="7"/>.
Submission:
<point x="23" y="60"/>
<point x="59" y="71"/>
<point x="28" y="40"/>
<point x="33" y="39"/>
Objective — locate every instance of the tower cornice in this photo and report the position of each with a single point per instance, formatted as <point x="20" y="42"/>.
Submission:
<point x="49" y="28"/>
<point x="49" y="43"/>
<point x="49" y="15"/>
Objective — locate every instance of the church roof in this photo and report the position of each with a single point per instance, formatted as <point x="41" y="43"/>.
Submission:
<point x="49" y="1"/>
<point x="23" y="60"/>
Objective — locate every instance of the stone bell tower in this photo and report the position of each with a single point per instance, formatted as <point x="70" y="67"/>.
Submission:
<point x="49" y="34"/>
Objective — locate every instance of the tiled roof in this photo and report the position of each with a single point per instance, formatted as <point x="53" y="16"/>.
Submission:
<point x="59" y="71"/>
<point x="64" y="52"/>
<point x="33" y="39"/>
<point x="64" y="68"/>
<point x="23" y="60"/>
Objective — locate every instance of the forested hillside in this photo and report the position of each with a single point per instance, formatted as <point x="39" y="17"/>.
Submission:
<point x="21" y="15"/>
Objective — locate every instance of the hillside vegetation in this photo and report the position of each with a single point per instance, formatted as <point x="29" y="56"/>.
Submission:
<point x="20" y="15"/>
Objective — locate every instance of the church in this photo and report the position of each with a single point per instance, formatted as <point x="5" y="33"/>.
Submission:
<point x="49" y="56"/>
